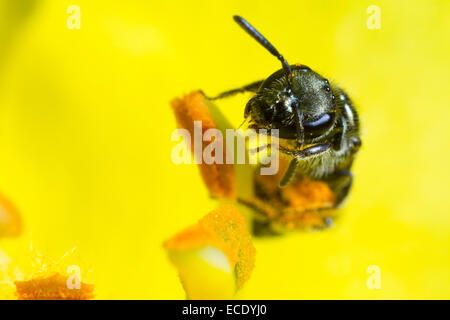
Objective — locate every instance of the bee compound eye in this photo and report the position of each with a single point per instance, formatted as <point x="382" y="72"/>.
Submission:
<point x="320" y="125"/>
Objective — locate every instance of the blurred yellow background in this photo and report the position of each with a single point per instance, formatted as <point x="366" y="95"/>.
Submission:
<point x="85" y="128"/>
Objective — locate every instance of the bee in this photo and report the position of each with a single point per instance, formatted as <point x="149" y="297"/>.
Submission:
<point x="317" y="123"/>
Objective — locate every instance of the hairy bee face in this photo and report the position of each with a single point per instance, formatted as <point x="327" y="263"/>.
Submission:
<point x="275" y="102"/>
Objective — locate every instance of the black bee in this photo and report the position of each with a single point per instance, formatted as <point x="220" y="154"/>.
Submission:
<point x="317" y="121"/>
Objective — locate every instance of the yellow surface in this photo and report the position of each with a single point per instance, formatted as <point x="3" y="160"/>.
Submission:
<point x="85" y="127"/>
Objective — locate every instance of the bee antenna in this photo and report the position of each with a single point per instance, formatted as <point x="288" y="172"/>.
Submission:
<point x="265" y="43"/>
<point x="287" y="69"/>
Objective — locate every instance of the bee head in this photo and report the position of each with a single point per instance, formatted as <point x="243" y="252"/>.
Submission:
<point x="279" y="98"/>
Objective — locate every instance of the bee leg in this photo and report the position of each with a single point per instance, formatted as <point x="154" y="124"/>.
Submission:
<point x="263" y="229"/>
<point x="341" y="182"/>
<point x="289" y="174"/>
<point x="301" y="219"/>
<point x="259" y="149"/>
<point x="263" y="214"/>
<point x="307" y="152"/>
<point x="252" y="87"/>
